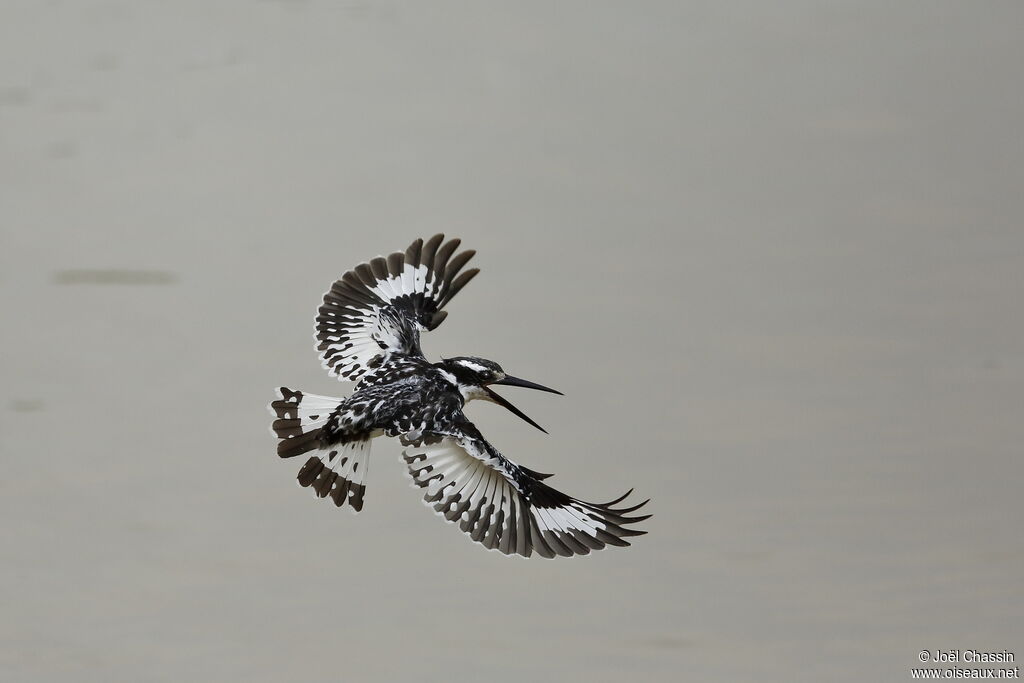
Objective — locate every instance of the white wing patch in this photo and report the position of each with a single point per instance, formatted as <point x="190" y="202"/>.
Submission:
<point x="507" y="508"/>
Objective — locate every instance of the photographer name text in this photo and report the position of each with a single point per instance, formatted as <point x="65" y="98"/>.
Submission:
<point x="966" y="656"/>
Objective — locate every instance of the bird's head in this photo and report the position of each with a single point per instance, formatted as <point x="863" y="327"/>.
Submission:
<point x="474" y="376"/>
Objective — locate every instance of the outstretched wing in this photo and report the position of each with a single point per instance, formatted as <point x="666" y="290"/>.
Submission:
<point x="506" y="507"/>
<point x="377" y="309"/>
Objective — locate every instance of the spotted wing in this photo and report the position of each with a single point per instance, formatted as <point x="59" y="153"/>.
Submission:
<point x="506" y="507"/>
<point x="377" y="310"/>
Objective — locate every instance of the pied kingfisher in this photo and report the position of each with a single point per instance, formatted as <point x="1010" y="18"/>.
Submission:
<point x="367" y="331"/>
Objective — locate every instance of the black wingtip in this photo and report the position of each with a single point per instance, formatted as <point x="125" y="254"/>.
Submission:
<point x="635" y="520"/>
<point x="623" y="511"/>
<point x="617" y="500"/>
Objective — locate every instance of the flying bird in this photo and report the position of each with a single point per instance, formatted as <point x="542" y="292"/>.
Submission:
<point x="368" y="331"/>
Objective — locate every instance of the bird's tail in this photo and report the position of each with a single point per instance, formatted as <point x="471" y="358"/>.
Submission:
<point x="336" y="470"/>
<point x="299" y="419"/>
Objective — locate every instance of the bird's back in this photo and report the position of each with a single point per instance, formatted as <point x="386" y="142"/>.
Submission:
<point x="397" y="403"/>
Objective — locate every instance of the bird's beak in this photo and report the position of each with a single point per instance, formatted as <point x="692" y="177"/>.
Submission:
<point x="516" y="382"/>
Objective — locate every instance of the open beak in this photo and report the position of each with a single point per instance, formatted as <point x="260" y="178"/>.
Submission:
<point x="516" y="382"/>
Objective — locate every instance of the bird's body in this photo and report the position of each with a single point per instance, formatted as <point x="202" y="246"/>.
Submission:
<point x="368" y="331"/>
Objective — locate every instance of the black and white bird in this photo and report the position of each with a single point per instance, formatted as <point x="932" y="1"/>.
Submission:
<point x="368" y="331"/>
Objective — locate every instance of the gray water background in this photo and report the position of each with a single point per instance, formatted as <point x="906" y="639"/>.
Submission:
<point x="771" y="252"/>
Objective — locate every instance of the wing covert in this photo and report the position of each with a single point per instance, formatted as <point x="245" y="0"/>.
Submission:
<point x="506" y="507"/>
<point x="377" y="309"/>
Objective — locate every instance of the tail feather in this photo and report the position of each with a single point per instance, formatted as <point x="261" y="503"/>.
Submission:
<point x="299" y="419"/>
<point x="337" y="470"/>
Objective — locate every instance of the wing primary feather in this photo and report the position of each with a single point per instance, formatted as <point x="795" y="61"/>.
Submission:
<point x="366" y="275"/>
<point x="617" y="500"/>
<point x="505" y="522"/>
<point x="428" y="254"/>
<point x="454" y="266"/>
<point x="485" y="507"/>
<point x="412" y="253"/>
<point x="549" y="534"/>
<point x="459" y="283"/>
<point x="611" y="539"/>
<point x="352" y="288"/>
<point x="358" y="289"/>
<point x="380" y="268"/>
<point x="493" y="533"/>
<point x="569" y="540"/>
<point x="396" y="263"/>
<point x="539" y="543"/>
<point x="443" y="254"/>
<point x="555" y="543"/>
<point x="346" y="292"/>
<point x="623" y="511"/>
